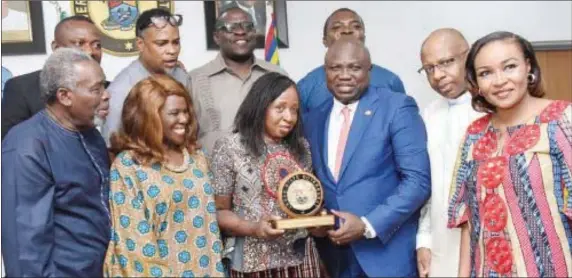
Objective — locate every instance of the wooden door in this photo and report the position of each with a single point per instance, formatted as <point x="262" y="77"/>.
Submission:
<point x="556" y="68"/>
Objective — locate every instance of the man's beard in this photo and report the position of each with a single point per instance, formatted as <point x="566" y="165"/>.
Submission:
<point x="98" y="122"/>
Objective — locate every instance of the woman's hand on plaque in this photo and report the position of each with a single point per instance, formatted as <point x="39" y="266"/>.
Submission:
<point x="264" y="228"/>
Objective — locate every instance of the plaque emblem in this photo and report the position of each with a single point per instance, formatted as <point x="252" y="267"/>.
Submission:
<point x="116" y="20"/>
<point x="300" y="194"/>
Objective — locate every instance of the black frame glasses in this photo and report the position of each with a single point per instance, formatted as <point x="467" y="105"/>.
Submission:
<point x="230" y="27"/>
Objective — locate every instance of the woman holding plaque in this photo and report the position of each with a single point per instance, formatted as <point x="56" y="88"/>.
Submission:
<point x="266" y="145"/>
<point x="162" y="208"/>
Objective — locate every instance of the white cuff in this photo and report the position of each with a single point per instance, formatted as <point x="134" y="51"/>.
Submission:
<point x="369" y="231"/>
<point x="424" y="240"/>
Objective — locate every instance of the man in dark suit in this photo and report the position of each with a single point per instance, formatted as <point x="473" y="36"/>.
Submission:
<point x="369" y="150"/>
<point x="22" y="93"/>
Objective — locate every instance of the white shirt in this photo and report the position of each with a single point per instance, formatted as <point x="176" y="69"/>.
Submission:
<point x="335" y="127"/>
<point x="334" y="130"/>
<point x="446" y="122"/>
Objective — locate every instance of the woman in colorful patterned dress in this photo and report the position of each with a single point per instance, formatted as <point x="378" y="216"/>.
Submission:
<point x="247" y="165"/>
<point x="512" y="189"/>
<point x="161" y="199"/>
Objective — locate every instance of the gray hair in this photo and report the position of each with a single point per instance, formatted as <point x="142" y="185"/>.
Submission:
<point x="59" y="72"/>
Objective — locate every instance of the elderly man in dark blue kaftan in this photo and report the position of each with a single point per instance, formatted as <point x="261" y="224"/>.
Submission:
<point x="55" y="177"/>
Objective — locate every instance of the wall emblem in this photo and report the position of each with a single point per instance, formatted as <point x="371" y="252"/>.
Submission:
<point x="116" y="20"/>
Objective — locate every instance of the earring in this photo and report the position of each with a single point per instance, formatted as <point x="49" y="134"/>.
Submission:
<point x="531" y="78"/>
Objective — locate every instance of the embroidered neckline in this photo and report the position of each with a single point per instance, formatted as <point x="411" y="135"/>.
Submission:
<point x="551" y="112"/>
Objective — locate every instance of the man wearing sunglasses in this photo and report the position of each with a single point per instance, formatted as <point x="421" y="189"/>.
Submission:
<point x="219" y="86"/>
<point x="443" y="55"/>
<point x="158" y="40"/>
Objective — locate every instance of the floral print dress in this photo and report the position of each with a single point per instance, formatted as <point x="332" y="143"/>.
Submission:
<point x="163" y="220"/>
<point x="239" y="174"/>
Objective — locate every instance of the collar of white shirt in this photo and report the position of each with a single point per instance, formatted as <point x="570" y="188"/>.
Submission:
<point x="338" y="106"/>
<point x="464" y="98"/>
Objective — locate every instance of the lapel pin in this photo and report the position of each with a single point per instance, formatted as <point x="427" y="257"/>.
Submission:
<point x="368" y="113"/>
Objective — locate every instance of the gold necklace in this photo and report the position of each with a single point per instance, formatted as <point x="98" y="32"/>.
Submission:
<point x="179" y="168"/>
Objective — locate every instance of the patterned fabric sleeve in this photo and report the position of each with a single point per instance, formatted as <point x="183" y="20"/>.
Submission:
<point x="458" y="212"/>
<point x="222" y="167"/>
<point x="132" y="252"/>
<point x="564" y="142"/>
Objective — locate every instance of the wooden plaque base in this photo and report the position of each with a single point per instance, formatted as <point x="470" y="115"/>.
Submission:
<point x="303" y="222"/>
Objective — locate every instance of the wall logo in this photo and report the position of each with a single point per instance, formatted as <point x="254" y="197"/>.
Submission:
<point x="116" y="19"/>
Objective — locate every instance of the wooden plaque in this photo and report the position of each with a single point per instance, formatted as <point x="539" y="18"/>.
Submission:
<point x="301" y="197"/>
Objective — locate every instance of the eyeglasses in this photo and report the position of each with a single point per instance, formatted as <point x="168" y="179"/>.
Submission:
<point x="231" y="27"/>
<point x="160" y="22"/>
<point x="442" y="65"/>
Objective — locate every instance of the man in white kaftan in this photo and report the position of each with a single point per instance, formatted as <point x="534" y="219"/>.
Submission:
<point x="443" y="55"/>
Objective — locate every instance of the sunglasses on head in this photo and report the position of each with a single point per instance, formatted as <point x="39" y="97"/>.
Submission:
<point x="161" y="21"/>
<point x="230" y="27"/>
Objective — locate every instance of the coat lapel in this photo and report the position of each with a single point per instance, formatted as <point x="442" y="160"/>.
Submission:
<point x="362" y="117"/>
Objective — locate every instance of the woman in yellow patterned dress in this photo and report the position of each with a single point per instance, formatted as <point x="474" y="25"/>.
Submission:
<point x="161" y="201"/>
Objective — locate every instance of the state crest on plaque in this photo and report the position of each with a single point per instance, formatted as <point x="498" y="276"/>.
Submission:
<point x="116" y="20"/>
<point x="299" y="194"/>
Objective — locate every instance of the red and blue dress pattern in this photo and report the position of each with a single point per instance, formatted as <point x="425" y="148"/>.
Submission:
<point x="518" y="200"/>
